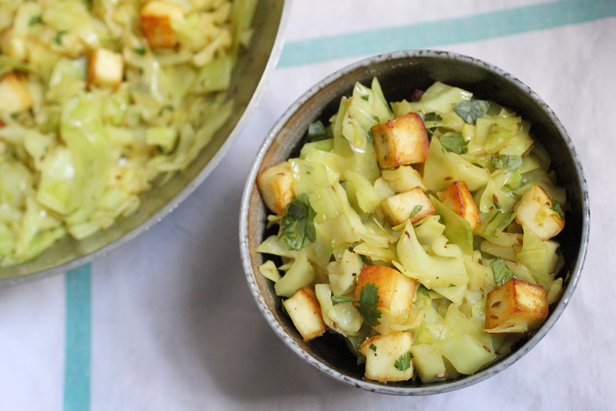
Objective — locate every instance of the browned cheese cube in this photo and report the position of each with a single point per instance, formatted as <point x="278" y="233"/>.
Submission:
<point x="396" y="291"/>
<point x="105" y="69"/>
<point x="384" y="355"/>
<point x="305" y="312"/>
<point x="399" y="208"/>
<point x="275" y="185"/>
<point x="516" y="307"/>
<point x="534" y="211"/>
<point x="458" y="198"/>
<point x="156" y="17"/>
<point x="401" y="141"/>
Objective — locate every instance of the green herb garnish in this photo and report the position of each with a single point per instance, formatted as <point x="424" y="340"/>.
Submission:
<point x="404" y="362"/>
<point x="424" y="291"/>
<point x="58" y="38"/>
<point x="368" y="303"/>
<point x="470" y="111"/>
<point x="501" y="271"/>
<point x="35" y="20"/>
<point x="416" y="210"/>
<point x="454" y="143"/>
<point x="373" y="347"/>
<point x="317" y="131"/>
<point x="558" y="209"/>
<point x="509" y="162"/>
<point x="297" y="226"/>
<point x="140" y="51"/>
<point x="365" y="97"/>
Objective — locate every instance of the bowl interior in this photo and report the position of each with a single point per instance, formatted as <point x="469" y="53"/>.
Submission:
<point x="400" y="74"/>
<point x="163" y="198"/>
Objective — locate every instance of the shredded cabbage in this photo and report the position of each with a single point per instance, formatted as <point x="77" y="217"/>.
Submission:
<point x="81" y="148"/>
<point x="443" y="262"/>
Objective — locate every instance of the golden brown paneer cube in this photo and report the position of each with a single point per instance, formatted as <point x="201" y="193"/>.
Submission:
<point x="516" y="307"/>
<point x="14" y="95"/>
<point x="305" y="312"/>
<point x="396" y="291"/>
<point x="401" y="141"/>
<point x="275" y="185"/>
<point x="458" y="198"/>
<point x="413" y="204"/>
<point x="156" y="17"/>
<point x="105" y="69"/>
<point x="388" y="357"/>
<point x="534" y="211"/>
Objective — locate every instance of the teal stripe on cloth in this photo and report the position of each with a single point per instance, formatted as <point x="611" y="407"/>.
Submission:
<point x="78" y="339"/>
<point x="451" y="31"/>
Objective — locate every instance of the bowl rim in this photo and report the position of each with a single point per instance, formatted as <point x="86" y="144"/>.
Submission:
<point x="190" y="187"/>
<point x="445" y="386"/>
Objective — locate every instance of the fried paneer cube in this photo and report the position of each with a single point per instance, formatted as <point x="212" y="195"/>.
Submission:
<point x="105" y="69"/>
<point x="14" y="94"/>
<point x="156" y="17"/>
<point x="516" y="307"/>
<point x="458" y="198"/>
<point x="399" y="208"/>
<point x="305" y="312"/>
<point x="396" y="291"/>
<point x="388" y="357"/>
<point x="276" y="186"/>
<point x="535" y="212"/>
<point x="401" y="141"/>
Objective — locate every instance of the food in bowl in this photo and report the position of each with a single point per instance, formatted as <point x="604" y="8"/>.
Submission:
<point x="98" y="100"/>
<point x="420" y="232"/>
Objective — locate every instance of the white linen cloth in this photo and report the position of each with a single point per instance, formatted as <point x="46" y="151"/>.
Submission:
<point x="174" y="326"/>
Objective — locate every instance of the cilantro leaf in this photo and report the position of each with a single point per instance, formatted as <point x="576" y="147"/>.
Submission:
<point x="297" y="226"/>
<point x="404" y="362"/>
<point x="558" y="209"/>
<point x="35" y="20"/>
<point x="470" y="111"/>
<point x="317" y="131"/>
<point x="365" y="97"/>
<point x="416" y="210"/>
<point x="140" y="51"/>
<point x="431" y="117"/>
<point x="510" y="162"/>
<point x="501" y="271"/>
<point x="368" y="303"/>
<point x="58" y="38"/>
<point x="424" y="291"/>
<point x="454" y="143"/>
<point x="373" y="347"/>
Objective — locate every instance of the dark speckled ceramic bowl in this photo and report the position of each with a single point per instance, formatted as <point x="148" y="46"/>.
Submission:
<point x="400" y="73"/>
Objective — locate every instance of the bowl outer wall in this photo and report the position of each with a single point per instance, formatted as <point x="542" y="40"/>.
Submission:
<point x="248" y="84"/>
<point x="417" y="69"/>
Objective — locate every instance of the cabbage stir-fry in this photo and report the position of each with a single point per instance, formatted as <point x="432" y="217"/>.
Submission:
<point x="98" y="99"/>
<point x="420" y="232"/>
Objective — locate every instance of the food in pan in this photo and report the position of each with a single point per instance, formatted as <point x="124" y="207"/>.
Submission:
<point x="100" y="100"/>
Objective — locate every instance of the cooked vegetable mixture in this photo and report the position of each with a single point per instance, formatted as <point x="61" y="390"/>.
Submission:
<point x="418" y="231"/>
<point x="98" y="99"/>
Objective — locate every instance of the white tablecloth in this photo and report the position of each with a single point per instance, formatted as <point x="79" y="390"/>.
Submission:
<point x="167" y="321"/>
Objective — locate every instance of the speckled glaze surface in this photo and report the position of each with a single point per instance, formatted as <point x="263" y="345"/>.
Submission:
<point x="399" y="74"/>
<point x="248" y="84"/>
